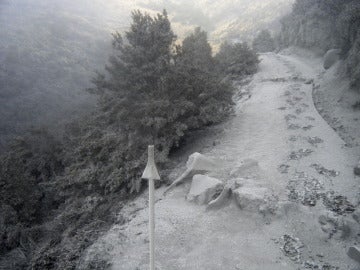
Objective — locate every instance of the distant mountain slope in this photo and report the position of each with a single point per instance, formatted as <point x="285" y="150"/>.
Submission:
<point x="224" y="20"/>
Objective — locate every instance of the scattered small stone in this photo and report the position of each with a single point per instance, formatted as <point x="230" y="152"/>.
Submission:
<point x="293" y="126"/>
<point x="297" y="78"/>
<point x="310" y="199"/>
<point x="283" y="168"/>
<point x="317" y="266"/>
<point x="288" y="117"/>
<point x="276" y="80"/>
<point x="323" y="171"/>
<point x="310" y="118"/>
<point x="354" y="253"/>
<point x="305" y="190"/>
<point x="314" y="140"/>
<point x="337" y="203"/>
<point x="293" y="138"/>
<point x="296" y="86"/>
<point x="304" y="105"/>
<point x="309" y="81"/>
<point x="329" y="267"/>
<point x="287" y="93"/>
<point x="311" y="265"/>
<point x="308" y="127"/>
<point x="335" y="226"/>
<point x="290" y="102"/>
<point x="298" y="111"/>
<point x="296" y="155"/>
<point x="291" y="246"/>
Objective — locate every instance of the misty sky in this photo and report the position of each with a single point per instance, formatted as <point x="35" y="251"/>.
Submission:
<point x="49" y="49"/>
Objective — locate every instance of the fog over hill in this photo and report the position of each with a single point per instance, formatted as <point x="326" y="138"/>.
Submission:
<point x="49" y="50"/>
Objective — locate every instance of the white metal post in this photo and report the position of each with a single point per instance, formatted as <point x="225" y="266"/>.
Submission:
<point x="151" y="174"/>
<point x="152" y="223"/>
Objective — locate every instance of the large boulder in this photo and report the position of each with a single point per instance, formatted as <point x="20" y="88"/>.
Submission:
<point x="251" y="198"/>
<point x="331" y="57"/>
<point x="204" y="189"/>
<point x="354" y="253"/>
<point x="200" y="162"/>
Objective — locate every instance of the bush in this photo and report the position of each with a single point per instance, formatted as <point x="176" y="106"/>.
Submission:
<point x="32" y="160"/>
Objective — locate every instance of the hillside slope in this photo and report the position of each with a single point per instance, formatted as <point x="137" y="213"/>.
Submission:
<point x="321" y="25"/>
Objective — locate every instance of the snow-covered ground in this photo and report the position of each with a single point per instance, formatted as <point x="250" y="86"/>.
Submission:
<point x="305" y="166"/>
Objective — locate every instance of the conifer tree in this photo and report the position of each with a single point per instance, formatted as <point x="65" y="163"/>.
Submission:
<point x="264" y="42"/>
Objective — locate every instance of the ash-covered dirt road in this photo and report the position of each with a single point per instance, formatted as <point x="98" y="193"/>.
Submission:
<point x="305" y="220"/>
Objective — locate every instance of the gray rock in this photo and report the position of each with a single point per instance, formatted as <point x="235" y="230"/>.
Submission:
<point x="336" y="227"/>
<point x="196" y="164"/>
<point x="357" y="169"/>
<point x="250" y="197"/>
<point x="331" y="57"/>
<point x="204" y="189"/>
<point x="354" y="253"/>
<point x="221" y="200"/>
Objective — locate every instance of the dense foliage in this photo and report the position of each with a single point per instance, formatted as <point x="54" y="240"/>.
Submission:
<point x="264" y="42"/>
<point x="322" y="25"/>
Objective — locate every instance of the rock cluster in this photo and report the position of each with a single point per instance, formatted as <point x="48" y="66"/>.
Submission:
<point x="214" y="193"/>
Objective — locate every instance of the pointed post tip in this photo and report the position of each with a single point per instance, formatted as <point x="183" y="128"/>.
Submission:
<point x="151" y="171"/>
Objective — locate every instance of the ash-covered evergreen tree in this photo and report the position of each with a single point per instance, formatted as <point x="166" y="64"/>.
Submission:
<point x="155" y="92"/>
<point x="236" y="60"/>
<point x="206" y="97"/>
<point x="196" y="50"/>
<point x="134" y="94"/>
<point x="264" y="42"/>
